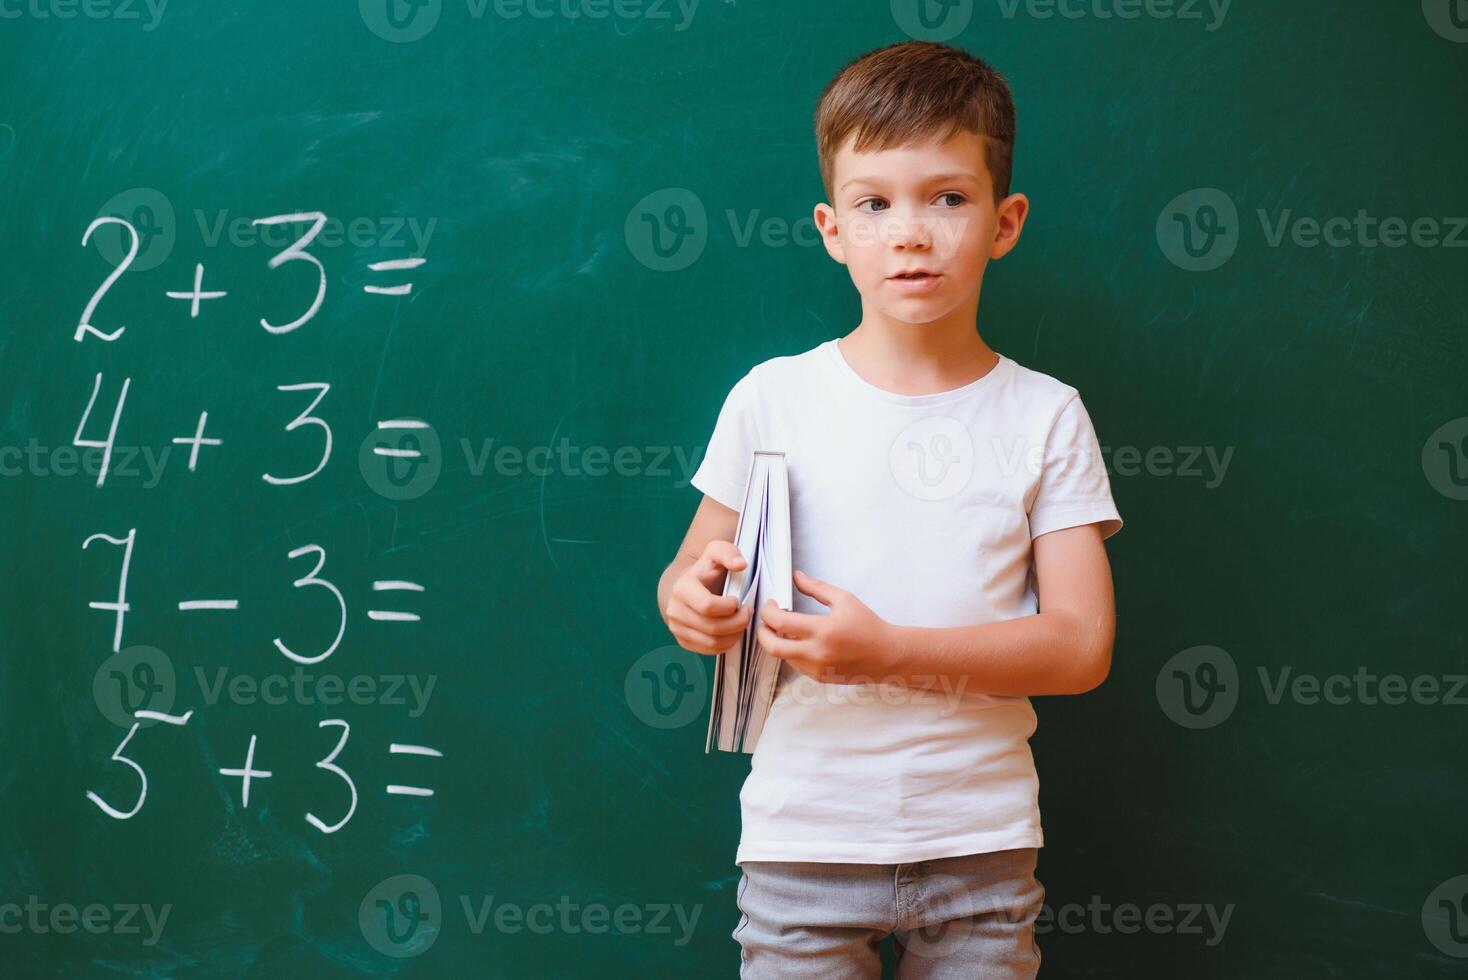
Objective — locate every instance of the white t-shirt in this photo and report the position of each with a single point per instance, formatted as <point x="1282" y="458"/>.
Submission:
<point x="924" y="507"/>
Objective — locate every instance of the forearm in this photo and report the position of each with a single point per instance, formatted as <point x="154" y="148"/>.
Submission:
<point x="1047" y="653"/>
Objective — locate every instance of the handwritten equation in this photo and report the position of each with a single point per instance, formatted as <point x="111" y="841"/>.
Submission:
<point x="392" y="599"/>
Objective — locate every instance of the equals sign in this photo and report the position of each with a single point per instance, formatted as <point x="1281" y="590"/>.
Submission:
<point x="400" y="748"/>
<point x="388" y="616"/>
<point x="399" y="424"/>
<point x="393" y="265"/>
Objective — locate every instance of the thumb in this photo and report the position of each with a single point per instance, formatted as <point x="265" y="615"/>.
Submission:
<point x="718" y="557"/>
<point x="823" y="592"/>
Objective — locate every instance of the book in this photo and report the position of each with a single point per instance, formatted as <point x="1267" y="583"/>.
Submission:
<point x="745" y="676"/>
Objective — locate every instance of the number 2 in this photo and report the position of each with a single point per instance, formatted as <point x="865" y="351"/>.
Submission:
<point x="85" y="327"/>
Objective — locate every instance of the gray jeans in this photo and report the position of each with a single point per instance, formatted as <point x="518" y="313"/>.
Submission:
<point x="971" y="917"/>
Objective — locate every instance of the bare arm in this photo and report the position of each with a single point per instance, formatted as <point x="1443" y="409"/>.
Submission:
<point x="1065" y="648"/>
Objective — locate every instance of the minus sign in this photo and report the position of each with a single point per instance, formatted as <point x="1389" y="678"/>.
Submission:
<point x="409" y="791"/>
<point x="209" y="604"/>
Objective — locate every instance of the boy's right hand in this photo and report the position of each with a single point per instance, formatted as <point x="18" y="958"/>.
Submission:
<point x="701" y="619"/>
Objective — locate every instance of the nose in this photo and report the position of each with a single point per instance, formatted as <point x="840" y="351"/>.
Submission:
<point x="908" y="231"/>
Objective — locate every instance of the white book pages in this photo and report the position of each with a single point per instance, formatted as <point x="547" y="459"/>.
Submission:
<point x="745" y="678"/>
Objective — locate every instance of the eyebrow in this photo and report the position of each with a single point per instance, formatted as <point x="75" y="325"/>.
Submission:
<point x="935" y="179"/>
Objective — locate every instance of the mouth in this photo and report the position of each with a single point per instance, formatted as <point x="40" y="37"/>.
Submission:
<point x="915" y="280"/>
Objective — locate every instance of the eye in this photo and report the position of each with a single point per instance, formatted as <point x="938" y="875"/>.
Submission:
<point x="953" y="194"/>
<point x="871" y="200"/>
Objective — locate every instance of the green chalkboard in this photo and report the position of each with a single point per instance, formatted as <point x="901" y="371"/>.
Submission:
<point x="1246" y="251"/>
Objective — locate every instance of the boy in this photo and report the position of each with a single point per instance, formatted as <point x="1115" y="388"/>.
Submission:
<point x="948" y="509"/>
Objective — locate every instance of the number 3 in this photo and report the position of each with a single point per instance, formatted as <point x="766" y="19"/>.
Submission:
<point x="297" y="253"/>
<point x="311" y="579"/>
<point x="328" y="764"/>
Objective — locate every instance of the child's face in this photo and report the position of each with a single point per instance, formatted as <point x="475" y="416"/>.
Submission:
<point x="927" y="206"/>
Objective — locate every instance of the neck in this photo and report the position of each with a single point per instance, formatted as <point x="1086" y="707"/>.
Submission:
<point x="918" y="358"/>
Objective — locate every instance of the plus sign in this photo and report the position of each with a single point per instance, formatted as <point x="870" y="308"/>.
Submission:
<point x="198" y="293"/>
<point x="248" y="772"/>
<point x="196" y="441"/>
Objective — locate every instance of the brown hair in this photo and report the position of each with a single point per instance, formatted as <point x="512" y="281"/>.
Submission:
<point x="911" y="91"/>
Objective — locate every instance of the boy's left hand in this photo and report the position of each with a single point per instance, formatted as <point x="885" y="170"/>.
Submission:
<point x="850" y="645"/>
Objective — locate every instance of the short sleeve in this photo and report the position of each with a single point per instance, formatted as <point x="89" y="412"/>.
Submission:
<point x="724" y="469"/>
<point x="1074" y="487"/>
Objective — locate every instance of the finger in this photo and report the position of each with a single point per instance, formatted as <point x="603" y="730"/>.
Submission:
<point x="706" y="603"/>
<point x="716" y="625"/>
<point x="823" y="592"/>
<point x="699" y="597"/>
<point x="729" y="627"/>
<point x="778" y="646"/>
<point x="722" y="555"/>
<point x="698" y="641"/>
<point x="785" y="622"/>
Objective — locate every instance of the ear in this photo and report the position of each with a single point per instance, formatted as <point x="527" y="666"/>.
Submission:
<point x="1009" y="222"/>
<point x="830" y="235"/>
